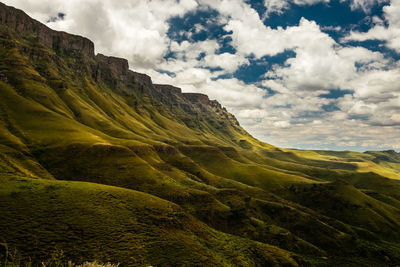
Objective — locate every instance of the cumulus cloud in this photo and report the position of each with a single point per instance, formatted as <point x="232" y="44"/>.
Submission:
<point x="390" y="33"/>
<point x="320" y="64"/>
<point x="226" y="61"/>
<point x="280" y="6"/>
<point x="364" y="5"/>
<point x="275" y="6"/>
<point x="323" y="66"/>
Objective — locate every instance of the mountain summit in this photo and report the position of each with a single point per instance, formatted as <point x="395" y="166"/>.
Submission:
<point x="97" y="163"/>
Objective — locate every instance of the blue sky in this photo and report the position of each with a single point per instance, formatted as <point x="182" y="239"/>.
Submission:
<point x="312" y="74"/>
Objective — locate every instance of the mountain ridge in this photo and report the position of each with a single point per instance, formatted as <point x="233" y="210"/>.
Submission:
<point x="19" y="21"/>
<point x="60" y="41"/>
<point x="71" y="120"/>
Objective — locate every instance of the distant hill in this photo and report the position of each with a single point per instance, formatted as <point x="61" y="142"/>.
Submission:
<point x="98" y="163"/>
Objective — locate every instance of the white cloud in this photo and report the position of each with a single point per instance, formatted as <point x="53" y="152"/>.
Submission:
<point x="364" y="5"/>
<point x="319" y="64"/>
<point x="322" y="66"/>
<point x="275" y="6"/>
<point x="267" y="41"/>
<point x="280" y="6"/>
<point x="390" y="34"/>
<point x="226" y="61"/>
<point x="187" y="50"/>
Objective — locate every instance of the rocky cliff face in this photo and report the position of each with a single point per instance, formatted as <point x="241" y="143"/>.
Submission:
<point x="117" y="66"/>
<point x="116" y="70"/>
<point x="20" y="22"/>
<point x="113" y="71"/>
<point x="197" y="98"/>
<point x="141" y="78"/>
<point x="201" y="100"/>
<point x="168" y="89"/>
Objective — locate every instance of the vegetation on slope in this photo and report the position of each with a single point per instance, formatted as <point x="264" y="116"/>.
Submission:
<point x="89" y="221"/>
<point x="156" y="176"/>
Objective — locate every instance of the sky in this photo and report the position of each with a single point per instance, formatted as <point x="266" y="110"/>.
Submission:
<point x="307" y="74"/>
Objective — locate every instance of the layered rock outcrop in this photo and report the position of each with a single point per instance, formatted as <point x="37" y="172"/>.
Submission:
<point x="197" y="98"/>
<point x="117" y="70"/>
<point x="117" y="66"/>
<point x="140" y="78"/>
<point x="20" y="22"/>
<point x="168" y="89"/>
<point x="203" y="100"/>
<point x="113" y="71"/>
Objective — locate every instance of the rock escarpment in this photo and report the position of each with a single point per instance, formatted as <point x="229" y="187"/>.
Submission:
<point x="63" y="42"/>
<point x="197" y="98"/>
<point x="111" y="70"/>
<point x="116" y="66"/>
<point x="116" y="70"/>
<point x="203" y="100"/>
<point x="141" y="78"/>
<point x="168" y="89"/>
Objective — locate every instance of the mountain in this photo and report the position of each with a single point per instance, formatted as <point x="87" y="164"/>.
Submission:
<point x="98" y="163"/>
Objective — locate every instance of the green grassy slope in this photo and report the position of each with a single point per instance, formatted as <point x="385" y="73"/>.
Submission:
<point x="208" y="189"/>
<point x="86" y="221"/>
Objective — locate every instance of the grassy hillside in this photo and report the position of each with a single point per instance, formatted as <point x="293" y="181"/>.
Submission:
<point x="85" y="221"/>
<point x="97" y="161"/>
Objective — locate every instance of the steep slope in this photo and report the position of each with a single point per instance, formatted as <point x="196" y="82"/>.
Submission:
<point x="68" y="114"/>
